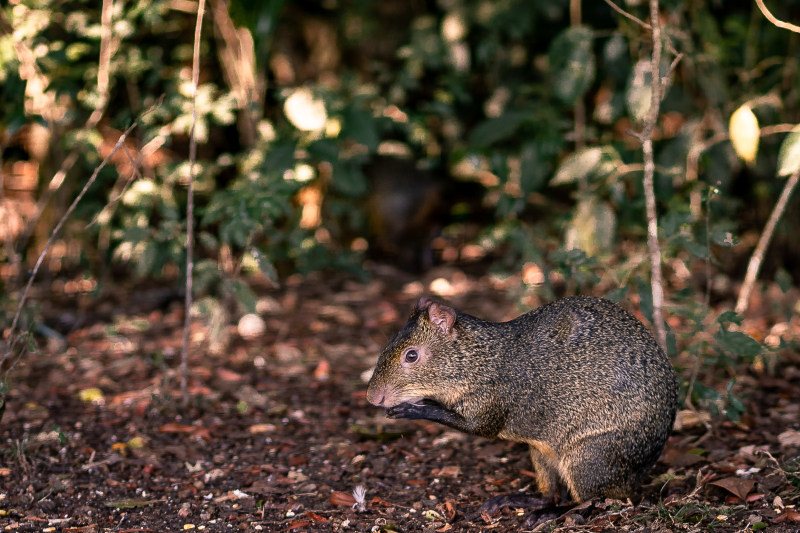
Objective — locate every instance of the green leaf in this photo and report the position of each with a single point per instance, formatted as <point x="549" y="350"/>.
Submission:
<point x="645" y="298"/>
<point x="572" y="63"/>
<point x="348" y="179"/>
<point x="639" y="93"/>
<point x="245" y="296"/>
<point x="534" y="168"/>
<point x="359" y="125"/>
<point x="784" y="280"/>
<point x="593" y="161"/>
<point x="737" y="343"/>
<point x="496" y="129"/>
<point x="729" y="316"/>
<point x="265" y="265"/>
<point x="789" y="154"/>
<point x="618" y="294"/>
<point x="724" y="238"/>
<point x="324" y="150"/>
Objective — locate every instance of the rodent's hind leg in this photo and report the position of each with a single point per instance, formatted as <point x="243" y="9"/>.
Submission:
<point x="598" y="467"/>
<point x="548" y="479"/>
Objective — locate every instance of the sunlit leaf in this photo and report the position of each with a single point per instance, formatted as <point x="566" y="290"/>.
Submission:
<point x="305" y="110"/>
<point x="639" y="94"/>
<point x="592" y="228"/>
<point x="789" y="154"/>
<point x="745" y="133"/>
<point x="572" y="63"/>
<point x="596" y="160"/>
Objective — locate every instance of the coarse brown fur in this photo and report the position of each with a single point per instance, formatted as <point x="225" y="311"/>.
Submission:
<point x="580" y="380"/>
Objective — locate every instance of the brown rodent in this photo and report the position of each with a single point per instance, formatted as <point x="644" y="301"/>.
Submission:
<point x="580" y="380"/>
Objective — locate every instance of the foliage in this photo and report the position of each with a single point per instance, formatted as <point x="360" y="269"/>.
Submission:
<point x="517" y="96"/>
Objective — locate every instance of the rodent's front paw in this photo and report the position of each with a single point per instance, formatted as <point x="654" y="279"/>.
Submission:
<point x="424" y="409"/>
<point x="403" y="410"/>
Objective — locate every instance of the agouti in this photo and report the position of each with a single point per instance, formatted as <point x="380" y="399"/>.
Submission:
<point x="580" y="380"/>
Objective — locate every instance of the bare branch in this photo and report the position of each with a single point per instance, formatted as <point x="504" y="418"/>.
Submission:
<point x="190" y="207"/>
<point x="773" y="19"/>
<point x="653" y="246"/>
<point x="756" y="259"/>
<point x="12" y="338"/>
<point x="627" y="15"/>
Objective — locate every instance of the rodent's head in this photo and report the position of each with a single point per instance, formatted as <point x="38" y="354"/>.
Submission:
<point x="412" y="365"/>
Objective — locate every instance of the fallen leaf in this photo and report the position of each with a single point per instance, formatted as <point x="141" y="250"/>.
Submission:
<point x="448" y="510"/>
<point x="323" y="370"/>
<point x="790" y="437"/>
<point x="737" y="486"/>
<point x="449" y="471"/>
<point x="262" y="428"/>
<point x="430" y="514"/>
<point x="297" y="524"/>
<point x="754" y="497"/>
<point x="229" y="375"/>
<point x="195" y="431"/>
<point x="687" y="419"/>
<point x="93" y="395"/>
<point x="131" y="503"/>
<point x="344" y="499"/>
<point x="316" y="518"/>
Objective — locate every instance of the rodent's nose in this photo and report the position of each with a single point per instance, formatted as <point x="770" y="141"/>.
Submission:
<point x="376" y="396"/>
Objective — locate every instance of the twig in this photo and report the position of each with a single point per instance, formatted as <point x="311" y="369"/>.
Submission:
<point x="13" y="338"/>
<point x="773" y="19"/>
<point x="190" y="207"/>
<point x="107" y="50"/>
<point x="627" y="15"/>
<point x="648" y="179"/>
<point x="754" y="265"/>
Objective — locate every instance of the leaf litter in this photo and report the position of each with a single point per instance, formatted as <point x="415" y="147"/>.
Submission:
<point x="279" y="436"/>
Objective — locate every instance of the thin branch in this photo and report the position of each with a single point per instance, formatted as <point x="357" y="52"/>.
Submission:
<point x="773" y="19"/>
<point x="653" y="246"/>
<point x="627" y="15"/>
<point x="190" y="207"/>
<point x="756" y="259"/>
<point x="12" y="338"/>
<point x="107" y="49"/>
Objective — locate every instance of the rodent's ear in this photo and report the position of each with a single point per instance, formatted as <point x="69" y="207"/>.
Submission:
<point x="443" y="317"/>
<point x="423" y="304"/>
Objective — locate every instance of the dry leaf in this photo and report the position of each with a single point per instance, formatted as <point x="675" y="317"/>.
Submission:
<point x="449" y="471"/>
<point x="342" y="499"/>
<point x="297" y="524"/>
<point x="316" y="518"/>
<point x="790" y="437"/>
<point x="735" y="485"/>
<point x="323" y="370"/>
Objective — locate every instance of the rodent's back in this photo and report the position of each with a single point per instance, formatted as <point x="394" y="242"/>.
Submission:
<point x="581" y="380"/>
<point x="584" y="364"/>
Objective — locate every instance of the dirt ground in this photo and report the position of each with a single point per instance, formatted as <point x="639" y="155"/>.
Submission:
<point x="279" y="435"/>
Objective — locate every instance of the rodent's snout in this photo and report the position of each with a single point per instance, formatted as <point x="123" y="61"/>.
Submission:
<point x="376" y="395"/>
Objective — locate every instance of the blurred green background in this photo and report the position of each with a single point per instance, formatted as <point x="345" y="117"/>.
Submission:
<point x="488" y="134"/>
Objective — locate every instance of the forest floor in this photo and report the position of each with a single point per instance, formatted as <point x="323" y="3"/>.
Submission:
<point x="278" y="434"/>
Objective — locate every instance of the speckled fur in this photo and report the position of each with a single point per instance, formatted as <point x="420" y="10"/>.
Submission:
<point x="580" y="380"/>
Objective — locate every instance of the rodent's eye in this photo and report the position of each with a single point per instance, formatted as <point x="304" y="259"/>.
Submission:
<point x="412" y="356"/>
